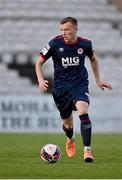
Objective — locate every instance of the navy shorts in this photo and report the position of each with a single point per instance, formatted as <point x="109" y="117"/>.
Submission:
<point x="65" y="101"/>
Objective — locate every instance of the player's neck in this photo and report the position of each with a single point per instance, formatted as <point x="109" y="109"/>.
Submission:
<point x="73" y="41"/>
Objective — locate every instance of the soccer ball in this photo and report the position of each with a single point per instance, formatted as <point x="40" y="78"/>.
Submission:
<point x="50" y="153"/>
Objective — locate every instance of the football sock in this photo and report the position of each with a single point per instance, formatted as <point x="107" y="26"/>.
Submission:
<point x="87" y="148"/>
<point x="85" y="129"/>
<point x="69" y="131"/>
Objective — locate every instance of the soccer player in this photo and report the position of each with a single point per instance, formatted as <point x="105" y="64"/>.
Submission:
<point x="70" y="91"/>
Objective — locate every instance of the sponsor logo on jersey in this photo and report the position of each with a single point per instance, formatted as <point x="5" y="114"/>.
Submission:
<point x="70" y="61"/>
<point x="80" y="51"/>
<point x="45" y="49"/>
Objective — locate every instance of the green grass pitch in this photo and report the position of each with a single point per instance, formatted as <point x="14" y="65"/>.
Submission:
<point x="19" y="157"/>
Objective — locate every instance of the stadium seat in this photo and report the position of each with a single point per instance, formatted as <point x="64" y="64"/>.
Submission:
<point x="26" y="29"/>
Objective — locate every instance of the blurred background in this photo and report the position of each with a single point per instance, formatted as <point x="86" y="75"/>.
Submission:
<point x="26" y="26"/>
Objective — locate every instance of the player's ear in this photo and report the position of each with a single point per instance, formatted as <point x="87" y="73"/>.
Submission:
<point x="76" y="28"/>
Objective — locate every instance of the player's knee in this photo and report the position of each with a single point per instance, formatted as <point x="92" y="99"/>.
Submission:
<point x="82" y="107"/>
<point x="82" y="111"/>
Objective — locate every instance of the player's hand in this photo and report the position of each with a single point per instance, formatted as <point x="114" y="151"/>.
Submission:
<point x="103" y="85"/>
<point x="43" y="85"/>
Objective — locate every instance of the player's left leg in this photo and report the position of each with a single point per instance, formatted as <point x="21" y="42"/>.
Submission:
<point x="86" y="128"/>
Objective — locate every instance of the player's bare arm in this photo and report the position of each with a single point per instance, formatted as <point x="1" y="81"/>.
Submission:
<point x="43" y="84"/>
<point x="95" y="69"/>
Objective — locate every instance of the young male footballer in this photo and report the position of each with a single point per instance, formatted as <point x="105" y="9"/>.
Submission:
<point x="70" y="91"/>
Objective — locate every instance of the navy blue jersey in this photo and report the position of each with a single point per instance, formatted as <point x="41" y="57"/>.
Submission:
<point x="69" y="69"/>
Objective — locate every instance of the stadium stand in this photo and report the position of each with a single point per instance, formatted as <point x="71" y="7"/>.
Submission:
<point x="20" y="86"/>
<point x="27" y="25"/>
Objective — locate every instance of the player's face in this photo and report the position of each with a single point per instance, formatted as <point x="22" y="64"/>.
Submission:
<point x="68" y="30"/>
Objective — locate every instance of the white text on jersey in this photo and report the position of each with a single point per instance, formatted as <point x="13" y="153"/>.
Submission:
<point x="70" y="61"/>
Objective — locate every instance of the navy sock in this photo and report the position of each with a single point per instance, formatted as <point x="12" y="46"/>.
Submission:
<point x="69" y="132"/>
<point x="85" y="129"/>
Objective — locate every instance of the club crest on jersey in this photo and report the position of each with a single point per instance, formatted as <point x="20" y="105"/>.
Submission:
<point x="70" y="61"/>
<point x="80" y="51"/>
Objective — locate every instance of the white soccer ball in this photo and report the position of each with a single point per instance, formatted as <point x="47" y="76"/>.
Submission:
<point x="50" y="153"/>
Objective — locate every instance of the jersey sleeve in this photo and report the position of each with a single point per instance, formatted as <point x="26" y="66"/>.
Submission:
<point x="47" y="51"/>
<point x="89" y="50"/>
